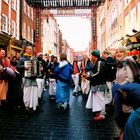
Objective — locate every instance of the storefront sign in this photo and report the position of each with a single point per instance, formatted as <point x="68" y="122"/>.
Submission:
<point x="37" y="26"/>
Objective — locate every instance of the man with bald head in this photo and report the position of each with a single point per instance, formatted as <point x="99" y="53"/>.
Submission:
<point x="30" y="91"/>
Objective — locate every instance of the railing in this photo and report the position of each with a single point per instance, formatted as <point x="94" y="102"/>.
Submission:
<point x="59" y="4"/>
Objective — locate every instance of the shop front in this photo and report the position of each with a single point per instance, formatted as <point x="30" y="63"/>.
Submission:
<point x="14" y="47"/>
<point x="4" y="40"/>
<point x="133" y="45"/>
<point x="11" y="45"/>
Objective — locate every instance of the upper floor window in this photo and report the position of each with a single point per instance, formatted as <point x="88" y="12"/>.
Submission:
<point x="4" y="23"/>
<point x="133" y="19"/>
<point x="28" y="10"/>
<point x="32" y="35"/>
<point x="32" y="14"/>
<point x="13" y="28"/>
<point x="138" y="16"/>
<point x="24" y="30"/>
<point x="28" y="33"/>
<point x="24" y="4"/>
<point x="14" y="4"/>
<point x="127" y="24"/>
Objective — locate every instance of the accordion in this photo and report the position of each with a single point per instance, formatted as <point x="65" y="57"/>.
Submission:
<point x="34" y="68"/>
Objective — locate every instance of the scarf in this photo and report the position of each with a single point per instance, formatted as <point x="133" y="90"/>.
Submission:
<point x="28" y="55"/>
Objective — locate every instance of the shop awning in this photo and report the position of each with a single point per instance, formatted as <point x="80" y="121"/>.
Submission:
<point x="133" y="46"/>
<point x="133" y="42"/>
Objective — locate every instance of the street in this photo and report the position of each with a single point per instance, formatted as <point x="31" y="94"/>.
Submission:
<point x="74" y="123"/>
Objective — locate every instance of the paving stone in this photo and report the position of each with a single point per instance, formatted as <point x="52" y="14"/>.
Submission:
<point x="73" y="124"/>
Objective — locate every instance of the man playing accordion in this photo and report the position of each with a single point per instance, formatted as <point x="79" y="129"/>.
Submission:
<point x="27" y="66"/>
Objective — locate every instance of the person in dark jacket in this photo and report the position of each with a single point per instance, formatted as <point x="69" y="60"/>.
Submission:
<point x="30" y="91"/>
<point x="15" y="94"/>
<point x="52" y="78"/>
<point x="40" y="78"/>
<point x="98" y="86"/>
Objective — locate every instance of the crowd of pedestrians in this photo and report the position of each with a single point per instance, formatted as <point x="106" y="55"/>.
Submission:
<point x="105" y="80"/>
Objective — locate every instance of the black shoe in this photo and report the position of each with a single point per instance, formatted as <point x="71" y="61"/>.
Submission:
<point x="38" y="109"/>
<point x="29" y="111"/>
<point x="52" y="97"/>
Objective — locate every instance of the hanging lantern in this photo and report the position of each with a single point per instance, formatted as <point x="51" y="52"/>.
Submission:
<point x="128" y="53"/>
<point x="135" y="52"/>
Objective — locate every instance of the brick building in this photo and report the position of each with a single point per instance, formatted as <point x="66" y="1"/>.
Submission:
<point x="9" y="26"/>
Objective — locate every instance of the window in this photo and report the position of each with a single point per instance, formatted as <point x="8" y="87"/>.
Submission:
<point x="24" y="30"/>
<point x="24" y="6"/>
<point x="133" y="19"/>
<point x="28" y="10"/>
<point x="28" y="33"/>
<point x="138" y="16"/>
<point x="13" y="28"/>
<point x="32" y="13"/>
<point x="32" y="35"/>
<point x="127" y="24"/>
<point x="14" y="4"/>
<point x="4" y="23"/>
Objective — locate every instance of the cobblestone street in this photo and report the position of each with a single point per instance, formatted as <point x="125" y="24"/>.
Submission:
<point x="73" y="124"/>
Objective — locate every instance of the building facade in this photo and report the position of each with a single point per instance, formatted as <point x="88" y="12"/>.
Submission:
<point x="17" y="26"/>
<point x="9" y="26"/>
<point x="116" y="20"/>
<point x="49" y="34"/>
<point x="27" y="24"/>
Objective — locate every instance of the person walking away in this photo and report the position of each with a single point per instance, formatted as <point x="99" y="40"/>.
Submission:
<point x="76" y="76"/>
<point x="97" y="79"/>
<point x="63" y="73"/>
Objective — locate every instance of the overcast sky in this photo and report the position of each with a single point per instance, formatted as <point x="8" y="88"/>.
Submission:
<point x="76" y="30"/>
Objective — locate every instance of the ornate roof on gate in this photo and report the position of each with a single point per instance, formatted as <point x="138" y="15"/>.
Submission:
<point x="58" y="4"/>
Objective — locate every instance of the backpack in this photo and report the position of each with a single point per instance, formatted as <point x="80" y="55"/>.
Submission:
<point x="135" y="70"/>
